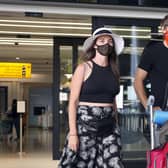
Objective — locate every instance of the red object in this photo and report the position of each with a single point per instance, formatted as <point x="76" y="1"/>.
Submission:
<point x="157" y="158"/>
<point x="166" y="37"/>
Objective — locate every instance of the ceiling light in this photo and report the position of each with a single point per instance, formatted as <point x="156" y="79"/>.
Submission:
<point x="136" y="36"/>
<point x="42" y="26"/>
<point x="31" y="40"/>
<point x="17" y="58"/>
<point x="26" y="44"/>
<point x="45" y="34"/>
<point x="25" y="41"/>
<point x="46" y="22"/>
<point x="129" y="29"/>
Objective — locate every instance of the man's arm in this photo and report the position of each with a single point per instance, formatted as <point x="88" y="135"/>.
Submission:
<point x="139" y="86"/>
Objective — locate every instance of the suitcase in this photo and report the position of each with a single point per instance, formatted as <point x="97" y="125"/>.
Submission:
<point x="157" y="157"/>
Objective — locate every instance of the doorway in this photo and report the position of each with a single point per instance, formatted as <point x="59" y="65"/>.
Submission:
<point x="3" y="99"/>
<point x="67" y="52"/>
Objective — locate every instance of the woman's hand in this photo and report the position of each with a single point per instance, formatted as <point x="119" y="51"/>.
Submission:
<point x="73" y="142"/>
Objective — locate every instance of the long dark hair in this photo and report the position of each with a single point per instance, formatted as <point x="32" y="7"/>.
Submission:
<point x="112" y="59"/>
<point x="89" y="54"/>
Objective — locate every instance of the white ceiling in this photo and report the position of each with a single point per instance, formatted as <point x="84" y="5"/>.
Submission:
<point x="58" y="20"/>
<point x="37" y="47"/>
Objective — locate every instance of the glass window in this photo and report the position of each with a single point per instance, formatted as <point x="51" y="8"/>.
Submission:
<point x="132" y="117"/>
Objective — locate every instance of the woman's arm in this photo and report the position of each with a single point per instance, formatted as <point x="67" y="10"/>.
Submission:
<point x="75" y="88"/>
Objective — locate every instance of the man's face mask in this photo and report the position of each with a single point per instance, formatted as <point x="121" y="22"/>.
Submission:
<point x="105" y="49"/>
<point x="165" y="36"/>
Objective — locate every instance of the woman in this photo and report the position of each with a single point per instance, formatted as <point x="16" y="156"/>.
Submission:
<point x="93" y="140"/>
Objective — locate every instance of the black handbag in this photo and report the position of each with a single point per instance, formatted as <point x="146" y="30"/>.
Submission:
<point x="106" y="126"/>
<point x="70" y="161"/>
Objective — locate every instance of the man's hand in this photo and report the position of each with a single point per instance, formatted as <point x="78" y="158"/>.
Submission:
<point x="156" y="108"/>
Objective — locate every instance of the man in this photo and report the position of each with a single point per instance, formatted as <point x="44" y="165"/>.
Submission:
<point x="154" y="63"/>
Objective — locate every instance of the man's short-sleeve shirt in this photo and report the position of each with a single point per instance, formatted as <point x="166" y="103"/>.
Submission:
<point x="154" y="60"/>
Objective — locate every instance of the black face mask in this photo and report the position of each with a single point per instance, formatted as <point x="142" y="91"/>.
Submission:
<point x="105" y="49"/>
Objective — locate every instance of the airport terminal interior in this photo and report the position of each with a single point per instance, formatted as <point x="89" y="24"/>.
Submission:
<point x="40" y="45"/>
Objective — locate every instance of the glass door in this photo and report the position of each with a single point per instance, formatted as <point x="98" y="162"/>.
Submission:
<point x="66" y="54"/>
<point x="133" y="118"/>
<point x="3" y="99"/>
<point x="3" y="115"/>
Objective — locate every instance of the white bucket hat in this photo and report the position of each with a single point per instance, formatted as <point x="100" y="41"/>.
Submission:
<point x="118" y="40"/>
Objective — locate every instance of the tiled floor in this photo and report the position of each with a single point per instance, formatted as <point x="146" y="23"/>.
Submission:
<point x="27" y="161"/>
<point x="37" y="151"/>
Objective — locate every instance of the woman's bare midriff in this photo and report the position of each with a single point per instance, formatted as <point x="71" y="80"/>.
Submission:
<point x="96" y="104"/>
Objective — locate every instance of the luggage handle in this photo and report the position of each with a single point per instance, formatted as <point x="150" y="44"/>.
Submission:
<point x="150" y="104"/>
<point x="151" y="100"/>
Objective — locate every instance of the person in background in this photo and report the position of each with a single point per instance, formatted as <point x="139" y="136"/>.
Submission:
<point x="16" y="118"/>
<point x="93" y="139"/>
<point x="154" y="64"/>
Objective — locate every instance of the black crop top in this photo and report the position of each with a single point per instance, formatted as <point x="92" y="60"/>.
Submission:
<point x="100" y="87"/>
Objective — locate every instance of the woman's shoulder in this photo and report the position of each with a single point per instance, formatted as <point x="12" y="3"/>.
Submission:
<point x="79" y="70"/>
<point x="80" y="66"/>
<point x="83" y="68"/>
<point x="84" y="65"/>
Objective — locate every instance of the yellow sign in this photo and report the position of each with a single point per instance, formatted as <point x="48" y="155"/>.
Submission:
<point x="15" y="70"/>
